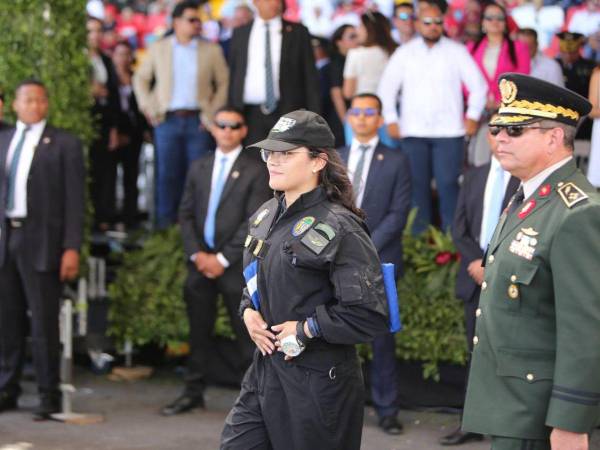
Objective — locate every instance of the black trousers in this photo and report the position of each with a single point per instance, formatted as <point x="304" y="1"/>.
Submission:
<point x="23" y="288"/>
<point x="200" y="295"/>
<point x="129" y="158"/>
<point x="259" y="125"/>
<point x="103" y="173"/>
<point x="283" y="406"/>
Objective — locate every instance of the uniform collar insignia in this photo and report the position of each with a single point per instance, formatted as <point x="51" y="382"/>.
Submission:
<point x="571" y="194"/>
<point x="527" y="209"/>
<point x="545" y="190"/>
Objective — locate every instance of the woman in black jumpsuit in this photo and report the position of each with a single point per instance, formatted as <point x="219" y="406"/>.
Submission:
<point x="314" y="290"/>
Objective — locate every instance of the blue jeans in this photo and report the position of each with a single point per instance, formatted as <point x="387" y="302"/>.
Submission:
<point x="179" y="141"/>
<point x="441" y="158"/>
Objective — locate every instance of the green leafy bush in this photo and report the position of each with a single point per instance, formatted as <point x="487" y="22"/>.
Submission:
<point x="47" y="40"/>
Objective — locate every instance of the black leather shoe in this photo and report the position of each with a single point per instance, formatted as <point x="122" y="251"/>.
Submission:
<point x="391" y="425"/>
<point x="7" y="402"/>
<point x="459" y="437"/>
<point x="49" y="404"/>
<point x="183" y="404"/>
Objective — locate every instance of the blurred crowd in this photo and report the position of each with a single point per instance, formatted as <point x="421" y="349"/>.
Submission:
<point x="351" y="47"/>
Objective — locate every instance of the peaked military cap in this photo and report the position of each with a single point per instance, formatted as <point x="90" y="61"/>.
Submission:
<point x="527" y="99"/>
<point x="299" y="128"/>
<point x="570" y="42"/>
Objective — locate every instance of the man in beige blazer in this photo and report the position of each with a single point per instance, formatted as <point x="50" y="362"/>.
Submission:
<point x="179" y="85"/>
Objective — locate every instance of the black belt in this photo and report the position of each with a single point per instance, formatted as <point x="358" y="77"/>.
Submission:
<point x="183" y="112"/>
<point x="15" y="222"/>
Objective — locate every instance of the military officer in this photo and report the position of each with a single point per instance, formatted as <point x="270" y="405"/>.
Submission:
<point x="535" y="372"/>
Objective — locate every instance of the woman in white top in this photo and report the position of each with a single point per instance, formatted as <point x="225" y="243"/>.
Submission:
<point x="364" y="64"/>
<point x="594" y="97"/>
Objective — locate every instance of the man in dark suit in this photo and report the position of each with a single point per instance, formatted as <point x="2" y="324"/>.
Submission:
<point x="41" y="228"/>
<point x="222" y="191"/>
<point x="267" y="84"/>
<point x="485" y="192"/>
<point x="382" y="184"/>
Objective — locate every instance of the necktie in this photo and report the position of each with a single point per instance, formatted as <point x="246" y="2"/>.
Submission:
<point x="12" y="172"/>
<point x="357" y="177"/>
<point x="213" y="204"/>
<point x="494" y="207"/>
<point x="517" y="200"/>
<point x="270" y="101"/>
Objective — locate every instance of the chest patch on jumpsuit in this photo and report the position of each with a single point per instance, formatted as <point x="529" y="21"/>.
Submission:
<point x="302" y="225"/>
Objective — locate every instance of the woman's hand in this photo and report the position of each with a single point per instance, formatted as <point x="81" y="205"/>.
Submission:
<point x="285" y="329"/>
<point x="257" y="329"/>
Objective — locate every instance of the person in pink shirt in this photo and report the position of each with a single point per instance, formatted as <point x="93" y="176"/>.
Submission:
<point x="495" y="54"/>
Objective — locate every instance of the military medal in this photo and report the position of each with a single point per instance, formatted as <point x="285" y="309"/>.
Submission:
<point x="513" y="291"/>
<point x="524" y="243"/>
<point x="527" y="209"/>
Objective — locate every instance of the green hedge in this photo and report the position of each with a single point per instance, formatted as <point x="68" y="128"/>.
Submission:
<point x="47" y="40"/>
<point x="147" y="304"/>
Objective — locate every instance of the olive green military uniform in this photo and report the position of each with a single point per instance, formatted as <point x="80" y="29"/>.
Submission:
<point x="536" y="358"/>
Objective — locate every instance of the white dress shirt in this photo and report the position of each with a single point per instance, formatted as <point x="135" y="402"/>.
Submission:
<point x="495" y="171"/>
<point x="230" y="161"/>
<point x="29" y="146"/>
<point x="430" y="83"/>
<point x="353" y="158"/>
<point x="365" y="65"/>
<point x="255" y="92"/>
<point x="547" y="69"/>
<point x="185" y="75"/>
<point x="531" y="185"/>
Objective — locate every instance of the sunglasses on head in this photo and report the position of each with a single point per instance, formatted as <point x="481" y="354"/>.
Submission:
<point x="368" y="112"/>
<point x="230" y="125"/>
<point x="405" y="16"/>
<point x="497" y="18"/>
<point x="432" y="21"/>
<point x="514" y="130"/>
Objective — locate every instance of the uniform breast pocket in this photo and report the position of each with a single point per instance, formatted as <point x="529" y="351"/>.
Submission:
<point x="517" y="285"/>
<point x="300" y="258"/>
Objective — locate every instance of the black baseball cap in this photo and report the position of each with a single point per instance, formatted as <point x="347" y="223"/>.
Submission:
<point x="299" y="128"/>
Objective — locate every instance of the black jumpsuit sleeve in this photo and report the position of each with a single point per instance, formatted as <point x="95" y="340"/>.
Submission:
<point x="359" y="311"/>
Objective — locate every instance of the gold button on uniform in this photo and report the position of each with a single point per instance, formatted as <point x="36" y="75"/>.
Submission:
<point x="478" y="312"/>
<point x="483" y="286"/>
<point x="475" y="340"/>
<point x="491" y="259"/>
<point x="513" y="291"/>
<point x="513" y="278"/>
<point x="530" y="377"/>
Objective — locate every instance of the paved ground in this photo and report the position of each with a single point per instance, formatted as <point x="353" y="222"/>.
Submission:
<point x="132" y="422"/>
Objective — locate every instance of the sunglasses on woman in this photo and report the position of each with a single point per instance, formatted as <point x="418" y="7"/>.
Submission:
<point x="514" y="130"/>
<point x="230" y="125"/>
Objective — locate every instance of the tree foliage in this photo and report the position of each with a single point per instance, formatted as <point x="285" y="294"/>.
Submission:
<point x="47" y="40"/>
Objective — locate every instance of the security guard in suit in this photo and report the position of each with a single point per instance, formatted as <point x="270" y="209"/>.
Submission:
<point x="535" y="371"/>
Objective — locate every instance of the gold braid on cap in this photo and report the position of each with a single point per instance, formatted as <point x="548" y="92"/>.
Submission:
<point x="507" y="120"/>
<point x="538" y="109"/>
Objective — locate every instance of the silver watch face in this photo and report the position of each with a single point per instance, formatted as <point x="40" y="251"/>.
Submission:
<point x="291" y="346"/>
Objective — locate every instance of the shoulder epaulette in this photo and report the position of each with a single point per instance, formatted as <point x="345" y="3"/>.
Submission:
<point x="571" y="194"/>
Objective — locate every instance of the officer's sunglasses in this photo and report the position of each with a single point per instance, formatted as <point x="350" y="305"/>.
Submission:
<point x="368" y="112"/>
<point x="278" y="156"/>
<point x="514" y="130"/>
<point x="231" y="125"/>
<point x="432" y="21"/>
